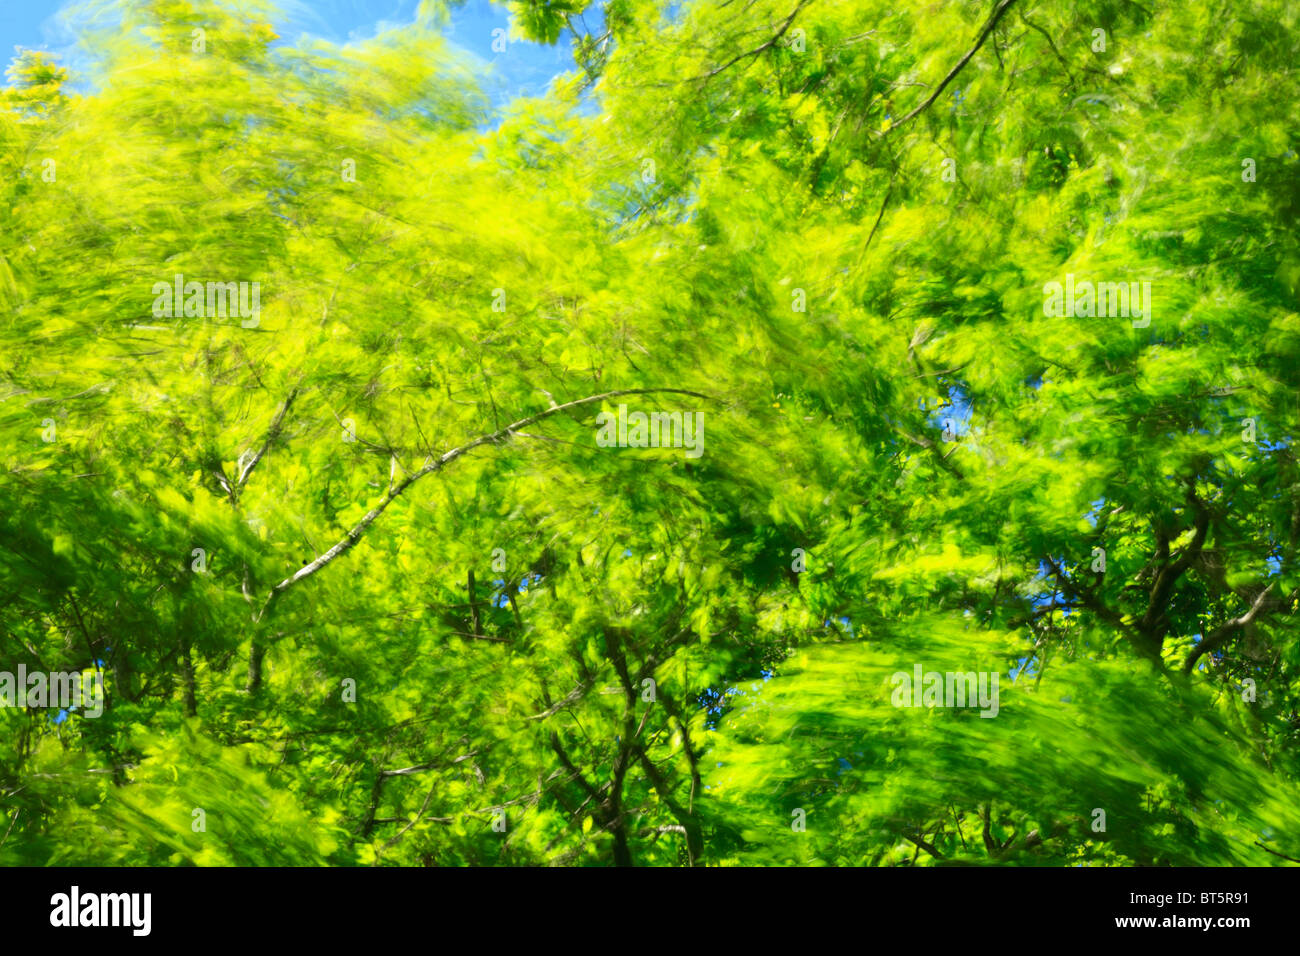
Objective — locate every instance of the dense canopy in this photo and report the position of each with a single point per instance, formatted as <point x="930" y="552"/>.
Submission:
<point x="366" y="582"/>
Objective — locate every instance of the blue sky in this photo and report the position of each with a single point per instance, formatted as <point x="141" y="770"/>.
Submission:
<point x="523" y="69"/>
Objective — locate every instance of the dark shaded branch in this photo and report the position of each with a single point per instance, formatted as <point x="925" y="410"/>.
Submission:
<point x="921" y="842"/>
<point x="689" y="824"/>
<point x="990" y="845"/>
<point x="1051" y="43"/>
<point x="776" y="38"/>
<point x="1168" y="575"/>
<point x="568" y="765"/>
<point x="992" y="22"/>
<point x="481" y="637"/>
<point x="1076" y="593"/>
<point x="1221" y="633"/>
<point x="1275" y="853"/>
<point x="879" y="216"/>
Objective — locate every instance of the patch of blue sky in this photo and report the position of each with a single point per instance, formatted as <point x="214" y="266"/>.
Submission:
<point x="953" y="418"/>
<point x="1094" y="512"/>
<point x="844" y="622"/>
<point x="1026" y="666"/>
<point x="478" y="30"/>
<point x="527" y="581"/>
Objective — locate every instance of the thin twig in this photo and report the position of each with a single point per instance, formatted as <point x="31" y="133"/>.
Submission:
<point x="992" y="22"/>
<point x="759" y="49"/>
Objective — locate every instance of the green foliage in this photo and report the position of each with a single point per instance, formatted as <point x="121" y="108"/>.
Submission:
<point x="346" y="650"/>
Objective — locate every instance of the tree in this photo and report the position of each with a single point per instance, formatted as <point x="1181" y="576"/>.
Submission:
<point x="352" y="551"/>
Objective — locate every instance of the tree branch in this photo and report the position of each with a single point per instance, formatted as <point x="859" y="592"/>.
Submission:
<point x="940" y="458"/>
<point x="1051" y="43"/>
<point x="353" y="536"/>
<point x="1168" y="575"/>
<point x="990" y="845"/>
<point x="573" y="696"/>
<point x="690" y="827"/>
<point x="759" y="49"/>
<point x="1220" y="634"/>
<point x="992" y="22"/>
<point x="272" y="434"/>
<point x="922" y="844"/>
<point x="1275" y="853"/>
